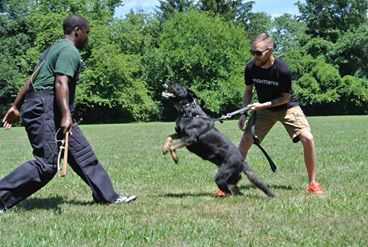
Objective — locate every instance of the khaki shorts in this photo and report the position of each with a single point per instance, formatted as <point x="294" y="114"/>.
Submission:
<point x="293" y="120"/>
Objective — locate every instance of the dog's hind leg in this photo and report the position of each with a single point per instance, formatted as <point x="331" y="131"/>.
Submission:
<point x="232" y="183"/>
<point x="220" y="180"/>
<point x="226" y="179"/>
<point x="256" y="181"/>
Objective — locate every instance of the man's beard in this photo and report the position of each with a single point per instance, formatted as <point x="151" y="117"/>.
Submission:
<point x="262" y="63"/>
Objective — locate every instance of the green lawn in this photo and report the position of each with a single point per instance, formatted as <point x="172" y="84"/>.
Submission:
<point x="175" y="206"/>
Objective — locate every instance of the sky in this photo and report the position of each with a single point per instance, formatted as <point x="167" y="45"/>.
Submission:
<point x="271" y="7"/>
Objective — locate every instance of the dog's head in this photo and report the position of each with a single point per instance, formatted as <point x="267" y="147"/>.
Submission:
<point x="178" y="94"/>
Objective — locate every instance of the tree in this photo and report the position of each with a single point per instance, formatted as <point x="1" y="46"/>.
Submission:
<point x="168" y="8"/>
<point x="350" y="52"/>
<point x="354" y="95"/>
<point x="320" y="85"/>
<point x="288" y="33"/>
<point x="257" y="23"/>
<point x="202" y="52"/>
<point x="113" y="80"/>
<point x="2" y="6"/>
<point x="111" y="83"/>
<point x="319" y="47"/>
<point x="136" y="33"/>
<point x="315" y="81"/>
<point x="328" y="18"/>
<point x="16" y="38"/>
<point x="226" y="8"/>
<point x="244" y="11"/>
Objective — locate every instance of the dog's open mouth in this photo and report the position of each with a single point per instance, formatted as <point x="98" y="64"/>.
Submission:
<point x="168" y="95"/>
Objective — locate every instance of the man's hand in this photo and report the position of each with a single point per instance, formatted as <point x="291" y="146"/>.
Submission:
<point x="259" y="106"/>
<point x="62" y="99"/>
<point x="11" y="116"/>
<point x="66" y="123"/>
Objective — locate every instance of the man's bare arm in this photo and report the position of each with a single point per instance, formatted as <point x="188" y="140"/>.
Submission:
<point x="22" y="94"/>
<point x="62" y="100"/>
<point x="248" y="94"/>
<point x="12" y="115"/>
<point x="284" y="99"/>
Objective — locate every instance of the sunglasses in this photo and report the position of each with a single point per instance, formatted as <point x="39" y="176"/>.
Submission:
<point x="257" y="52"/>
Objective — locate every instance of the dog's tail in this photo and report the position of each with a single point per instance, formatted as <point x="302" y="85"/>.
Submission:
<point x="256" y="181"/>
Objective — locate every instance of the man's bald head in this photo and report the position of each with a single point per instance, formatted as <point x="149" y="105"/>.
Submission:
<point x="262" y="48"/>
<point x="74" y="21"/>
<point x="263" y="41"/>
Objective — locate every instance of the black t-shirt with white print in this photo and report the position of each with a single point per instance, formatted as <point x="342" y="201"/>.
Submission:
<point x="270" y="83"/>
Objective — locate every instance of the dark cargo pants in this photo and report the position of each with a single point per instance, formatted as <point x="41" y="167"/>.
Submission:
<point x="39" y="117"/>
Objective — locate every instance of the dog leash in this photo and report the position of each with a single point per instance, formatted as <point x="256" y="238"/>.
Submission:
<point x="256" y="140"/>
<point x="241" y="111"/>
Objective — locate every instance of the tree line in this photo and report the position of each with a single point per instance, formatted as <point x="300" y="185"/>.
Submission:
<point x="202" y="44"/>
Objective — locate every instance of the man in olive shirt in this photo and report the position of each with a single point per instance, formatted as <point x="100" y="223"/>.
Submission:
<point x="46" y="104"/>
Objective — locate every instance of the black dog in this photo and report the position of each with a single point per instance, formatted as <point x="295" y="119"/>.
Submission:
<point x="195" y="130"/>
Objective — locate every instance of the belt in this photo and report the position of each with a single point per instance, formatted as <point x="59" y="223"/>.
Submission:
<point x="32" y="93"/>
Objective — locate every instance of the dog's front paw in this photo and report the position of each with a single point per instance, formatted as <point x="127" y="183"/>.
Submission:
<point x="164" y="149"/>
<point x="166" y="146"/>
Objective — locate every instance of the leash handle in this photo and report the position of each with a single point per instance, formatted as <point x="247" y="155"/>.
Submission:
<point x="243" y="110"/>
<point x="65" y="159"/>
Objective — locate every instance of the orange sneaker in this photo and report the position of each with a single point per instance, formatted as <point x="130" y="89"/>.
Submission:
<point x="221" y="194"/>
<point x="315" y="188"/>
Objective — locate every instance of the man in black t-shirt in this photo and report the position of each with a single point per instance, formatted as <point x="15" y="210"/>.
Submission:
<point x="272" y="80"/>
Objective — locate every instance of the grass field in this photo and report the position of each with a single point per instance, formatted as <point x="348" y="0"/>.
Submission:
<point x="175" y="206"/>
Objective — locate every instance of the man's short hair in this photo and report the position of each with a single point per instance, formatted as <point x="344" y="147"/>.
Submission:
<point x="74" y="21"/>
<point x="267" y="39"/>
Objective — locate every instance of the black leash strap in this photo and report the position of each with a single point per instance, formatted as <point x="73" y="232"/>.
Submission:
<point x="256" y="141"/>
<point x="270" y="161"/>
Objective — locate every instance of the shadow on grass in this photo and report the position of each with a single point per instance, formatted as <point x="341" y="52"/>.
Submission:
<point x="186" y="194"/>
<point x="242" y="187"/>
<point x="50" y="203"/>
<point x="203" y="194"/>
<point x="272" y="186"/>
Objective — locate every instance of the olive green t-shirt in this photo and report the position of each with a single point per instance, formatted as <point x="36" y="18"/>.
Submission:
<point x="62" y="58"/>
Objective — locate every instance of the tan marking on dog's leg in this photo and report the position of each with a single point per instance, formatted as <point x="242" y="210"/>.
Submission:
<point x="173" y="155"/>
<point x="178" y="143"/>
<point x="166" y="146"/>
